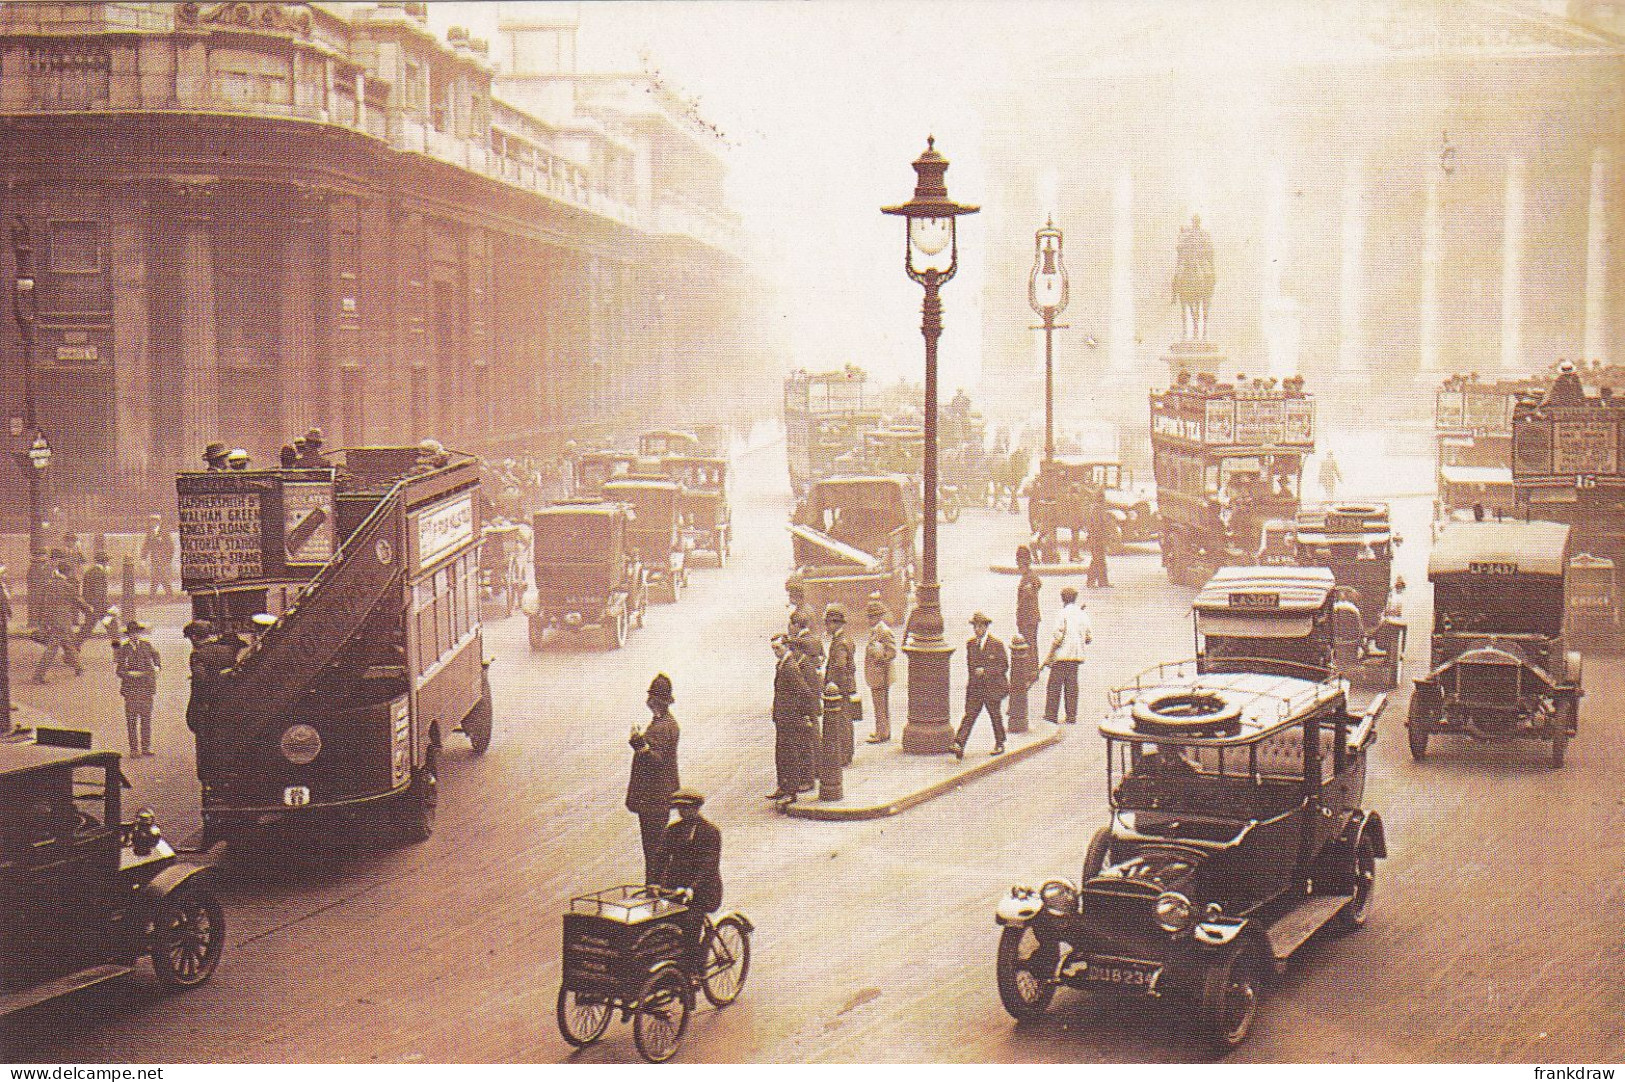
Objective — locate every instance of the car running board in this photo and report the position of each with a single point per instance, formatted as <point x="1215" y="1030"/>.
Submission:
<point x="1289" y="933"/>
<point x="73" y="982"/>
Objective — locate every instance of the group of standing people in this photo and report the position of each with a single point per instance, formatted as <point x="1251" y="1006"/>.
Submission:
<point x="809" y="668"/>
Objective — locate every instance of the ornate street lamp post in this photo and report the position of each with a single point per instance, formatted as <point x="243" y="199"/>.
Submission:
<point x="1047" y="293"/>
<point x="931" y="257"/>
<point x="34" y="454"/>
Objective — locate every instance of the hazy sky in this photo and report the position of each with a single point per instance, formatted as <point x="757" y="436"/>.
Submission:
<point x="826" y="103"/>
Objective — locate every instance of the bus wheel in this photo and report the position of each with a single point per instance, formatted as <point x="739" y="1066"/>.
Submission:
<point x="415" y="812"/>
<point x="478" y="723"/>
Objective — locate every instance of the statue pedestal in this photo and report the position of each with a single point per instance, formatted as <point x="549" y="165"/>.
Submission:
<point x="1196" y="358"/>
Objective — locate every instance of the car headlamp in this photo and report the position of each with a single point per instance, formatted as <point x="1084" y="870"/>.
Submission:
<point x="1060" y="897"/>
<point x="300" y="744"/>
<point x="1174" y="912"/>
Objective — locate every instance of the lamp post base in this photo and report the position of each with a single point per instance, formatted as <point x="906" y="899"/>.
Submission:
<point x="928" y="731"/>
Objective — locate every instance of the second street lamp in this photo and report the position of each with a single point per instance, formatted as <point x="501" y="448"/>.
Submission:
<point x="1047" y="293"/>
<point x="33" y="454"/>
<point x="931" y="257"/>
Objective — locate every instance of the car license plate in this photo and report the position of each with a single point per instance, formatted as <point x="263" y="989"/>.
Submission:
<point x="1121" y="975"/>
<point x="296" y="796"/>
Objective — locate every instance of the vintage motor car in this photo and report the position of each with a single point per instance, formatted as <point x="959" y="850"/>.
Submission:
<point x="1500" y="664"/>
<point x="853" y="536"/>
<point x="707" y="520"/>
<point x="664" y="442"/>
<point x="1355" y="543"/>
<point x="87" y="894"/>
<point x="655" y="530"/>
<point x="588" y="577"/>
<point x="1236" y="834"/>
<point x="595" y="468"/>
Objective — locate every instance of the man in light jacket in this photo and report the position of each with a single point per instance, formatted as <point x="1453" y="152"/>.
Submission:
<point x="1066" y="652"/>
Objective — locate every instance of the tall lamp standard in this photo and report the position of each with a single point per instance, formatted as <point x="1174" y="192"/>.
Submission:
<point x="931" y="257"/>
<point x="1047" y="293"/>
<point x="35" y="453"/>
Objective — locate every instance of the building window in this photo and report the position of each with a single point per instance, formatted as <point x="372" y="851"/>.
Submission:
<point x="76" y="248"/>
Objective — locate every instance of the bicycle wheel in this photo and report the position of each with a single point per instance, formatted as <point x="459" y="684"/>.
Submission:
<point x="727" y="962"/>
<point x="664" y="1003"/>
<point x="581" y="1022"/>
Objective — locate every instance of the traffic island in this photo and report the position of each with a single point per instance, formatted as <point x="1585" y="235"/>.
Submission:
<point x="883" y="781"/>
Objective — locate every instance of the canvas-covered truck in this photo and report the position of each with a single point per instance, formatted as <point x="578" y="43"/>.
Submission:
<point x="339" y="705"/>
<point x="1227" y="459"/>
<point x="854" y="536"/>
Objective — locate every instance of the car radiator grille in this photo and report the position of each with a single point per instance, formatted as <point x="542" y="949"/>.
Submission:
<point x="1490" y="685"/>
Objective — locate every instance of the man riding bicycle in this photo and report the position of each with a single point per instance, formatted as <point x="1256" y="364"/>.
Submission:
<point x="689" y="859"/>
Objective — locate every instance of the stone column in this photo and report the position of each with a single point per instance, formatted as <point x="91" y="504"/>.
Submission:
<point x="1512" y="268"/>
<point x="1350" y="347"/>
<point x="1428" y="317"/>
<point x="299" y="386"/>
<point x="1596" y="310"/>
<point x="132" y="363"/>
<point x="1122" y="296"/>
<point x="200" y="360"/>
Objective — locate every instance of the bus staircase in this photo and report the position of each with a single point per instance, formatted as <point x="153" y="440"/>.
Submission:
<point x="271" y="677"/>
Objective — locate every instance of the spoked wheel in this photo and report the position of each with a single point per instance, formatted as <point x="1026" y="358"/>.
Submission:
<point x="1230" y="997"/>
<point x="1026" y="973"/>
<point x="188" y="934"/>
<point x="661" y="1018"/>
<point x="727" y="962"/>
<point x="582" y="1020"/>
<point x="1358" y="910"/>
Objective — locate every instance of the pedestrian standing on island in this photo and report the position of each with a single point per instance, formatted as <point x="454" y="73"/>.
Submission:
<point x="158" y="550"/>
<point x="841" y="669"/>
<point x="1330" y="476"/>
<point x="1027" y="590"/>
<point x="989" y="667"/>
<point x="796" y="591"/>
<point x="1098" y="522"/>
<point x="792" y="720"/>
<point x="1072" y="634"/>
<point x="809" y="653"/>
<point x="878" y="656"/>
<point x="654" y="770"/>
<point x="137" y="666"/>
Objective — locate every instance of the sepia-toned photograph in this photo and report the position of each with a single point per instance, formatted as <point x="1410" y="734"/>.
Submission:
<point x="723" y="532"/>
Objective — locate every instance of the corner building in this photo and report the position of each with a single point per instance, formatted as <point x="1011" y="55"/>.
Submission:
<point x="251" y="218"/>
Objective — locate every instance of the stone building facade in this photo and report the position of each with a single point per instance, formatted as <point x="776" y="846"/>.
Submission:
<point x="251" y="218"/>
<point x="1395" y="190"/>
